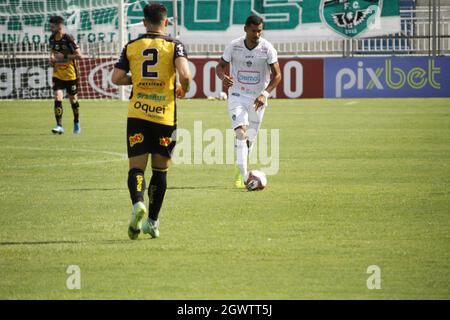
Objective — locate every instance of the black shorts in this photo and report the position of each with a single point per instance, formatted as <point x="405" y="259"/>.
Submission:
<point x="149" y="137"/>
<point x="71" y="86"/>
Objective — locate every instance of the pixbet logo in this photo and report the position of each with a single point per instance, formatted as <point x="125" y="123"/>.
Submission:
<point x="394" y="78"/>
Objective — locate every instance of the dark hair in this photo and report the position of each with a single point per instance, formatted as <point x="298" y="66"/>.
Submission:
<point x="56" y="20"/>
<point x="155" y="13"/>
<point x="255" y="20"/>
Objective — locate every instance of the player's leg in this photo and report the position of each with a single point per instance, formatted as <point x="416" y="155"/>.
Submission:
<point x="137" y="158"/>
<point x="58" y="109"/>
<point x="72" y="90"/>
<point x="163" y="144"/>
<point x="242" y="150"/>
<point x="156" y="192"/>
<point x="239" y="121"/>
<point x="255" y="119"/>
<point x="136" y="186"/>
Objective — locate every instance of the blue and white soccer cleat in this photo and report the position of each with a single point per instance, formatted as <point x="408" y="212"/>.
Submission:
<point x="137" y="215"/>
<point x="151" y="227"/>
<point x="58" y="130"/>
<point x="76" y="128"/>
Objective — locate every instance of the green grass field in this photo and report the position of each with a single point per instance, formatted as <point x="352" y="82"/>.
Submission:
<point x="361" y="182"/>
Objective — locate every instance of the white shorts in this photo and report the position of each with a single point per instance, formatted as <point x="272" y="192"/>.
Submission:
<point x="242" y="112"/>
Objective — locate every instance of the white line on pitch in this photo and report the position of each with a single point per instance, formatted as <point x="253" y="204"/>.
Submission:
<point x="122" y="156"/>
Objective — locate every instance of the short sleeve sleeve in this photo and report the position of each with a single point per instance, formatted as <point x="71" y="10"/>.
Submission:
<point x="180" y="50"/>
<point x="123" y="62"/>
<point x="272" y="56"/>
<point x="51" y="43"/>
<point x="72" y="44"/>
<point x="227" y="53"/>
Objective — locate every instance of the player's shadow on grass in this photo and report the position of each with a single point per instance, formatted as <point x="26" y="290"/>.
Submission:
<point x="26" y="243"/>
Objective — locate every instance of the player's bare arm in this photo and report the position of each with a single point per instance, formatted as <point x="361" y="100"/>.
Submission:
<point x="276" y="78"/>
<point x="120" y="77"/>
<point x="52" y="57"/>
<point x="220" y="71"/>
<point x="185" y="78"/>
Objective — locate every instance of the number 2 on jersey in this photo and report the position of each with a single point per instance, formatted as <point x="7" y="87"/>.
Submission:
<point x="153" y="54"/>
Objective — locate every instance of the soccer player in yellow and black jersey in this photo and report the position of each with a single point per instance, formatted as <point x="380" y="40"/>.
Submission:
<point x="153" y="60"/>
<point x="64" y="56"/>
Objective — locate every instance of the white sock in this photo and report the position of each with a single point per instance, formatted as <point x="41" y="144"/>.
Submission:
<point x="241" y="156"/>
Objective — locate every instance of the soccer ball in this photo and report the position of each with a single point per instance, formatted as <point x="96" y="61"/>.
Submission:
<point x="256" y="181"/>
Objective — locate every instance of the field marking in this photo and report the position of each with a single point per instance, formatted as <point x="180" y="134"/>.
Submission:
<point x="122" y="157"/>
<point x="350" y="103"/>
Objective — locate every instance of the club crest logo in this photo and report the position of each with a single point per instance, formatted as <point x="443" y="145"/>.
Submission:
<point x="350" y="18"/>
<point x="137" y="138"/>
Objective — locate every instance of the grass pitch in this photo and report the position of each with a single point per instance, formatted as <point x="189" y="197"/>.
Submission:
<point x="361" y="182"/>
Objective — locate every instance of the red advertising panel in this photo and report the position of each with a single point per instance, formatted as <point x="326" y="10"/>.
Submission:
<point x="32" y="79"/>
<point x="302" y="78"/>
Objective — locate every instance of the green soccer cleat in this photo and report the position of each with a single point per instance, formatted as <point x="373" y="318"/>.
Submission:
<point x="151" y="227"/>
<point x="137" y="215"/>
<point x="238" y="178"/>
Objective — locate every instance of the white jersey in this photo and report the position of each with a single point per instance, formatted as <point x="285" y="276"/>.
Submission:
<point x="250" y="69"/>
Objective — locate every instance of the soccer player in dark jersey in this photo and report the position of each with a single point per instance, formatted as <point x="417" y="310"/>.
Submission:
<point x="153" y="60"/>
<point x="64" y="56"/>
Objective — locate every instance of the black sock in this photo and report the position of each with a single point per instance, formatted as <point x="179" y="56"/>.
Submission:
<point x="156" y="192"/>
<point x="76" y="112"/>
<point x="58" y="112"/>
<point x="136" y="185"/>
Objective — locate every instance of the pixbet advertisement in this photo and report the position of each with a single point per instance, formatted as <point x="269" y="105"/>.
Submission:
<point x="387" y="77"/>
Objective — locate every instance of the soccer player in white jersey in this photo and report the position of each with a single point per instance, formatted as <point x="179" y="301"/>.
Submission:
<point x="255" y="72"/>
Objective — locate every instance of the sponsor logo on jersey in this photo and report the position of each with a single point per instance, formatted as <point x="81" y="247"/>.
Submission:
<point x="152" y="96"/>
<point x="249" y="77"/>
<point x="63" y="65"/>
<point x="249" y="63"/>
<point x="180" y="49"/>
<point x="165" y="141"/>
<point x="137" y="138"/>
<point x="149" y="109"/>
<point x="151" y="84"/>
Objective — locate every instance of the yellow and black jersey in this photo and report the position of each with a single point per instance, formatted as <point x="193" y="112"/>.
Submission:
<point x="151" y="60"/>
<point x="66" y="69"/>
